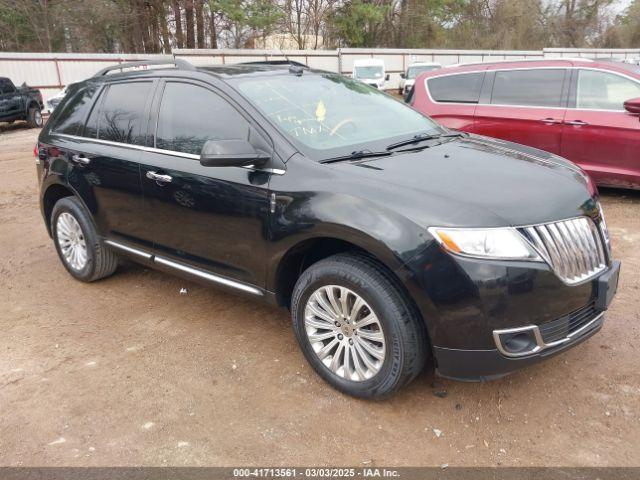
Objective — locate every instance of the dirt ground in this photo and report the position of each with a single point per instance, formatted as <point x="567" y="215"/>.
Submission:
<point x="128" y="371"/>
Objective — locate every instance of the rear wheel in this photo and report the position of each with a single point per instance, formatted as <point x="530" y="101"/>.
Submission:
<point x="79" y="247"/>
<point x="356" y="327"/>
<point x="34" y="117"/>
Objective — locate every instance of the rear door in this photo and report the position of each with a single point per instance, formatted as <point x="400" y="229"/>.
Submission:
<point x="599" y="134"/>
<point x="525" y="106"/>
<point x="104" y="160"/>
<point x="211" y="218"/>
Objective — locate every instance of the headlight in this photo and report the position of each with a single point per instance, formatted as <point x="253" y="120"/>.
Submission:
<point x="498" y="243"/>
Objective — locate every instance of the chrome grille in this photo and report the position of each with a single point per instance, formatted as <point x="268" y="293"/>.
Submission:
<point x="573" y="248"/>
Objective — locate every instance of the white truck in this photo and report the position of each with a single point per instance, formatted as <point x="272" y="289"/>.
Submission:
<point x="408" y="78"/>
<point x="370" y="71"/>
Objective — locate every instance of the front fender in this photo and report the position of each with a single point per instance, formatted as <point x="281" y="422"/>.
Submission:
<point x="331" y="208"/>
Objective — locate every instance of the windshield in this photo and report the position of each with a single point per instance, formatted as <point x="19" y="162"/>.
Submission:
<point x="327" y="115"/>
<point x="413" y="72"/>
<point x="368" y="72"/>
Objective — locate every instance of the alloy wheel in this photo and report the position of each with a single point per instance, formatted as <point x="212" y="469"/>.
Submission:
<point x="345" y="333"/>
<point x="71" y="241"/>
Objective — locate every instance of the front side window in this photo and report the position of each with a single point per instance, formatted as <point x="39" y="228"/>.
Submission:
<point x="190" y="115"/>
<point x="413" y="72"/>
<point x="534" y="88"/>
<point x="368" y="72"/>
<point x="121" y="113"/>
<point x="327" y="115"/>
<point x="604" y="91"/>
<point x="462" y="88"/>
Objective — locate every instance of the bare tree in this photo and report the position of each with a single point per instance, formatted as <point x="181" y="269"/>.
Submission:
<point x="177" y="16"/>
<point x="188" y="15"/>
<point x="199" y="10"/>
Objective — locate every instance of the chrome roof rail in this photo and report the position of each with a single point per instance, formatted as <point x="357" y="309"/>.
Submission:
<point x="180" y="64"/>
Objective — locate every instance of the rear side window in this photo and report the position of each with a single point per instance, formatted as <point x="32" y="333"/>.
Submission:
<point x="74" y="111"/>
<point x="463" y="88"/>
<point x="190" y="115"/>
<point x="120" y="115"/>
<point x="535" y="88"/>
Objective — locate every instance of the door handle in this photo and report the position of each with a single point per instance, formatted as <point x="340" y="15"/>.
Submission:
<point x="576" y="123"/>
<point x="550" y="121"/>
<point x="80" y="159"/>
<point x="158" y="177"/>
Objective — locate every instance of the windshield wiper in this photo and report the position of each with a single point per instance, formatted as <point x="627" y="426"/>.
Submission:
<point x="357" y="155"/>
<point x="421" y="137"/>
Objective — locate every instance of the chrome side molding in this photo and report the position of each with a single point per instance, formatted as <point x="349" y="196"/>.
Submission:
<point x="211" y="277"/>
<point x="126" y="248"/>
<point x="207" y="275"/>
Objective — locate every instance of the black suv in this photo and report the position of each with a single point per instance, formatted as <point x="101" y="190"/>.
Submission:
<point x="390" y="239"/>
<point x="22" y="103"/>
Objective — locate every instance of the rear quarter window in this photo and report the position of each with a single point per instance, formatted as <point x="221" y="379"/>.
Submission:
<point x="459" y="88"/>
<point x="73" y="110"/>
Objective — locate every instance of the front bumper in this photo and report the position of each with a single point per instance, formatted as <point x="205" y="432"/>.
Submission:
<point x="481" y="365"/>
<point x="541" y="341"/>
<point x="465" y="301"/>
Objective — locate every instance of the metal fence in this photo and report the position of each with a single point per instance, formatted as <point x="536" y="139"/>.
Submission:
<point x="50" y="72"/>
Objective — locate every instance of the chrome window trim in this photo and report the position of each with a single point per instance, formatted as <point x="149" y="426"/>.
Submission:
<point x="190" y="156"/>
<point x="212" y="277"/>
<point x="426" y="87"/>
<point x="540" y="344"/>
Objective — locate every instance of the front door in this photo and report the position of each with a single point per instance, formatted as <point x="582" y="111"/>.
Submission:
<point x="525" y="106"/>
<point x="599" y="134"/>
<point x="213" y="218"/>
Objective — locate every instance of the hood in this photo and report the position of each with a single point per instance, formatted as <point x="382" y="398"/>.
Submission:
<point x="477" y="182"/>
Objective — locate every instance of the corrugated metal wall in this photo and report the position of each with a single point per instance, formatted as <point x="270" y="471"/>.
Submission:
<point x="51" y="72"/>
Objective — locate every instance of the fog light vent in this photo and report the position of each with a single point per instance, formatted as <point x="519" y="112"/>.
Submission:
<point x="517" y="342"/>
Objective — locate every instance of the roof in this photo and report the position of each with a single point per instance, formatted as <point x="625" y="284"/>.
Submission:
<point x="601" y="63"/>
<point x="248" y="69"/>
<point x="171" y="68"/>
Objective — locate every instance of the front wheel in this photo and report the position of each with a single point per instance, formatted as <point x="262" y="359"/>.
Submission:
<point x="356" y="327"/>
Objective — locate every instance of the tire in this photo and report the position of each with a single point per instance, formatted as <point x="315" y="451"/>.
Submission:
<point x="34" y="117"/>
<point x="99" y="261"/>
<point x="405" y="341"/>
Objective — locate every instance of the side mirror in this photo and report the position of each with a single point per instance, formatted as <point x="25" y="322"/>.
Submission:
<point x="632" y="105"/>
<point x="386" y="77"/>
<point x="402" y="75"/>
<point x="230" y="153"/>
